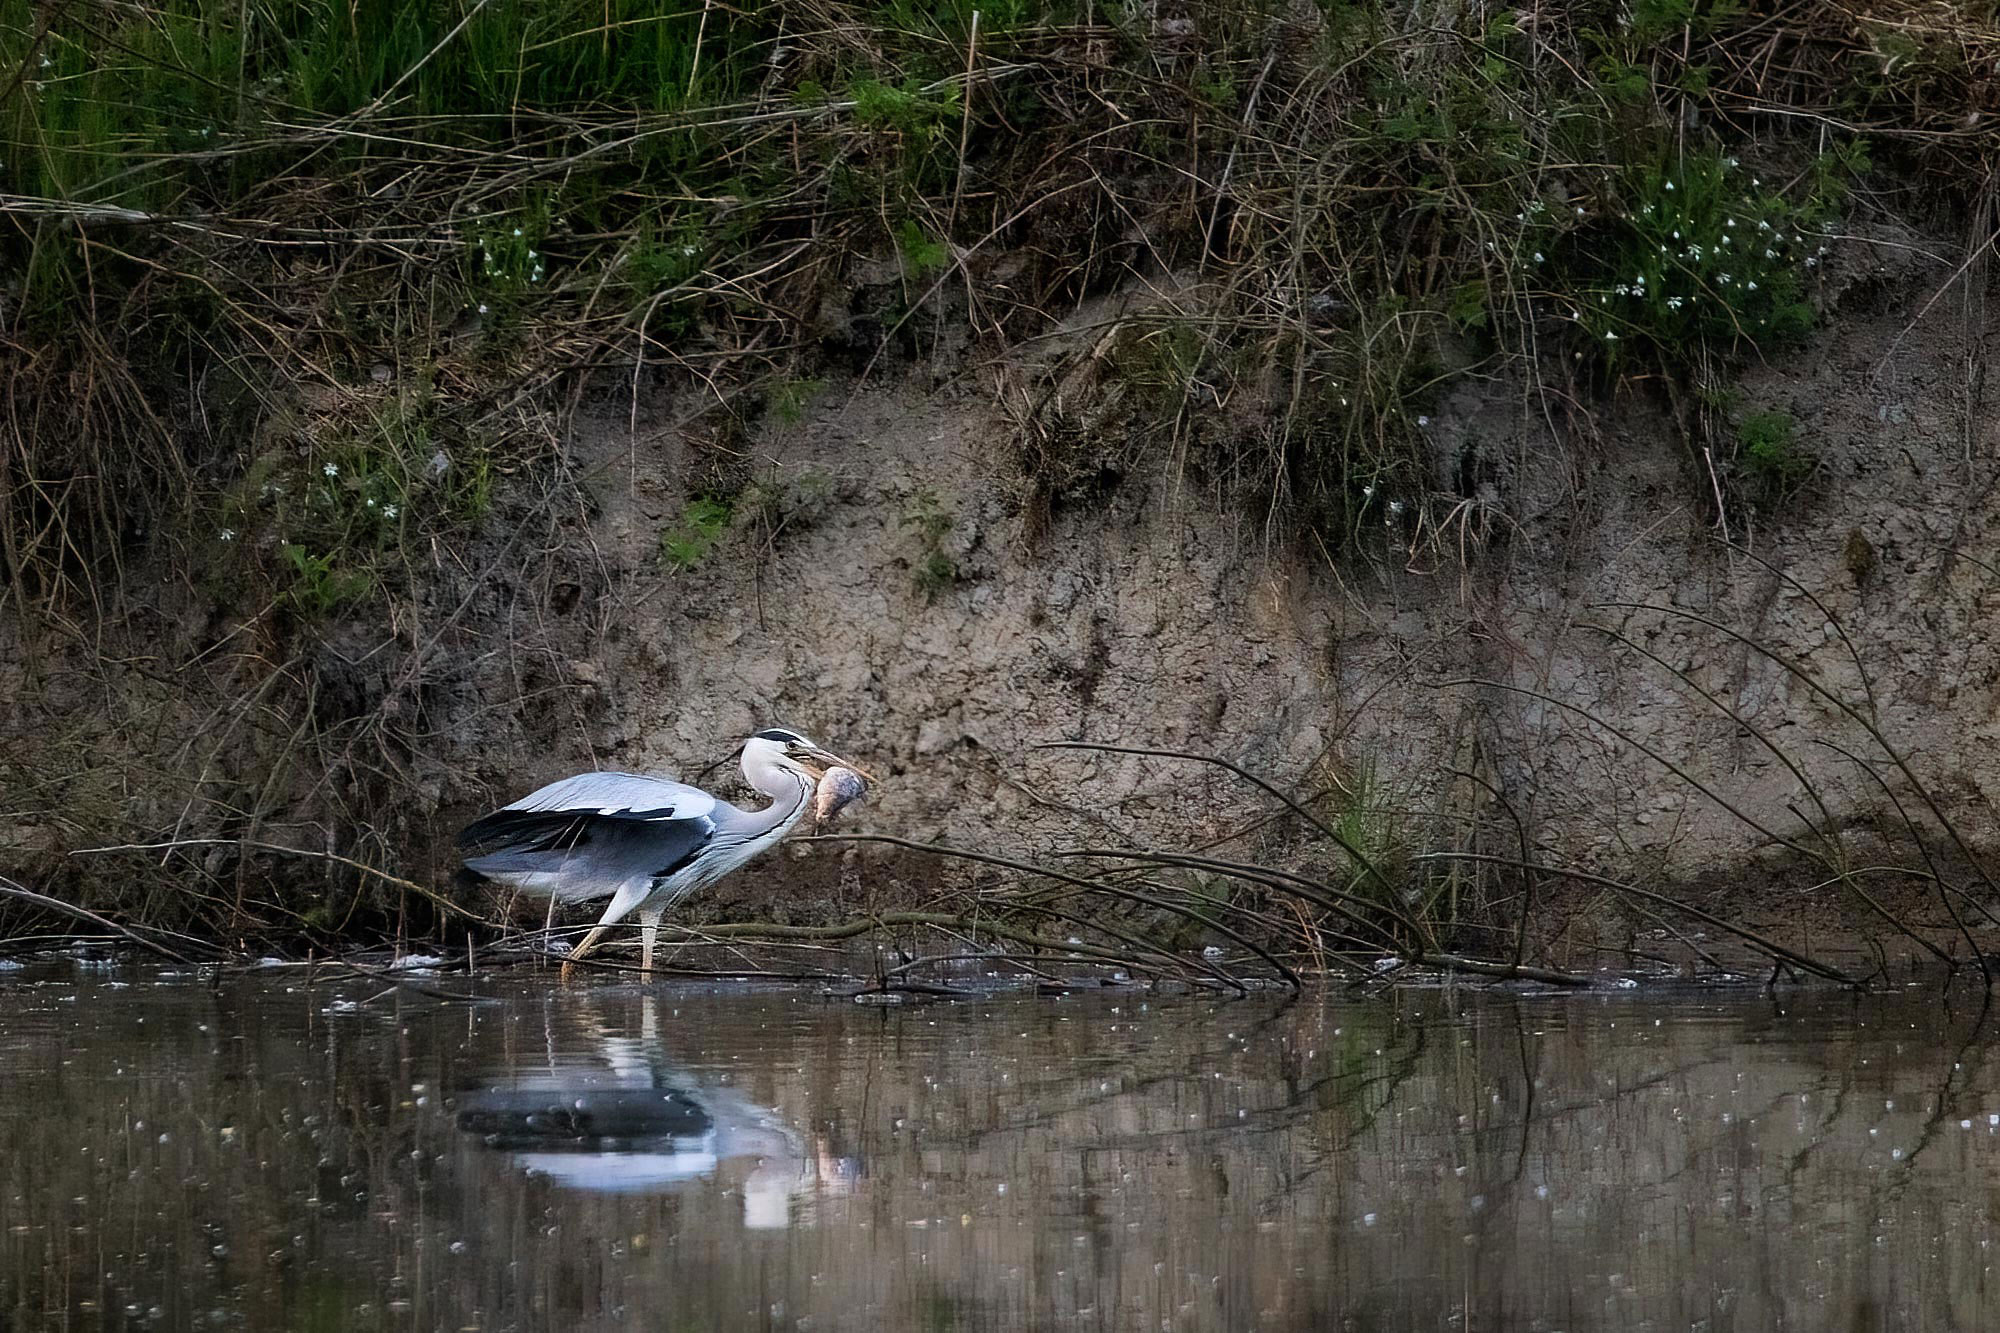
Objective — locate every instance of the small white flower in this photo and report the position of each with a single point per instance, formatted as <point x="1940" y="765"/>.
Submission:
<point x="1673" y="303"/>
<point x="1519" y="218"/>
<point x="390" y="511"/>
<point x="371" y="502"/>
<point x="1579" y="210"/>
<point x="1670" y="185"/>
<point x="1423" y="421"/>
<point x="1538" y="256"/>
<point x="1763" y="226"/>
<point x="227" y="534"/>
<point x="1734" y="163"/>
<point x="1677" y="235"/>
<point x="1812" y="261"/>
<point x="483" y="307"/>
<point x="1750" y="286"/>
<point x="1621" y="290"/>
<point x="517" y="231"/>
<point x="1723" y="280"/>
<point x="331" y="469"/>
<point x="1729" y="222"/>
<point x="1770" y="254"/>
<point x="1610" y="337"/>
<point x="1395" y="508"/>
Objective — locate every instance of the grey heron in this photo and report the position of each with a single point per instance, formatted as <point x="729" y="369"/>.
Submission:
<point x="645" y="843"/>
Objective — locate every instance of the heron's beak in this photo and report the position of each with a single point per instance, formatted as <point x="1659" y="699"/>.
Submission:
<point x="825" y="759"/>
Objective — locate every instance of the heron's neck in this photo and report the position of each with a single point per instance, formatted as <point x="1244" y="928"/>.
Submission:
<point x="790" y="794"/>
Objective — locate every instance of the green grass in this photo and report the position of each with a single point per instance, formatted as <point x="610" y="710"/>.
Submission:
<point x="517" y="190"/>
<point x="685" y="544"/>
<point x="1771" y="458"/>
<point x="927" y="519"/>
<point x="331" y="514"/>
<point x="1692" y="257"/>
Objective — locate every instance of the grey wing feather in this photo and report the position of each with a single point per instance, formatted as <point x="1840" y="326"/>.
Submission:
<point x="622" y="794"/>
<point x="582" y="837"/>
<point x="579" y="857"/>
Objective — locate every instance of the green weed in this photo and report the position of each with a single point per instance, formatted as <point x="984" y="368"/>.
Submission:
<point x="1770" y="457"/>
<point x="318" y="585"/>
<point x="923" y="254"/>
<point x="1691" y="256"/>
<point x="702" y="523"/>
<point x="787" y="399"/>
<point x="342" y="506"/>
<point x="782" y="502"/>
<point x="934" y="570"/>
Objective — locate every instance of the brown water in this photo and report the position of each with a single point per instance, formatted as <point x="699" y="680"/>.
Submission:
<point x="259" y="1152"/>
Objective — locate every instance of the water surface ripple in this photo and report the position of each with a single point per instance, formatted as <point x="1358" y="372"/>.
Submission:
<point x="260" y="1152"/>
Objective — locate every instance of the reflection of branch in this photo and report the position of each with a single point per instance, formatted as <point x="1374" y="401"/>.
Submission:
<point x="1528" y="1084"/>
<point x="1401" y="1071"/>
<point x="1964" y="1061"/>
<point x="1836" y="1106"/>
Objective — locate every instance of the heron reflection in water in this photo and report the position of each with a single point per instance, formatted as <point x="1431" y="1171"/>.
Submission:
<point x="646" y="843"/>
<point x="628" y="1119"/>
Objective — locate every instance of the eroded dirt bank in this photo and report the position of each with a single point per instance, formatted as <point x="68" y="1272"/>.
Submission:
<point x="1539" y="663"/>
<point x="1564" y="662"/>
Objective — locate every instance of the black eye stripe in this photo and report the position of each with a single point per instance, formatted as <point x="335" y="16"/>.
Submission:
<point x="781" y="736"/>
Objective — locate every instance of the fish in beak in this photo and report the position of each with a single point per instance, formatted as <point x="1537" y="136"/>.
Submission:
<point x="820" y="762"/>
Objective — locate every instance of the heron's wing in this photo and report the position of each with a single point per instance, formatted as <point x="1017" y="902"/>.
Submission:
<point x="583" y="836"/>
<point x="625" y="797"/>
<point x="618" y="796"/>
<point x="578" y="855"/>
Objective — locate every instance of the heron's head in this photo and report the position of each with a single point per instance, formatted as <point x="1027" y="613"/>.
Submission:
<point x="777" y="747"/>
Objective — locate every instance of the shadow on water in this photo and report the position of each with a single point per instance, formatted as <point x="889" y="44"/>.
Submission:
<point x="259" y="1152"/>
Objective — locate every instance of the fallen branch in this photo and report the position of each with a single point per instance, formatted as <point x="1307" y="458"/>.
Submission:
<point x="1770" y="948"/>
<point x="179" y="843"/>
<point x="14" y="890"/>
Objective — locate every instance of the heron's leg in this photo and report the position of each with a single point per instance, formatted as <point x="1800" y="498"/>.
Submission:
<point x="649" y="930"/>
<point x="629" y="895"/>
<point x="589" y="941"/>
